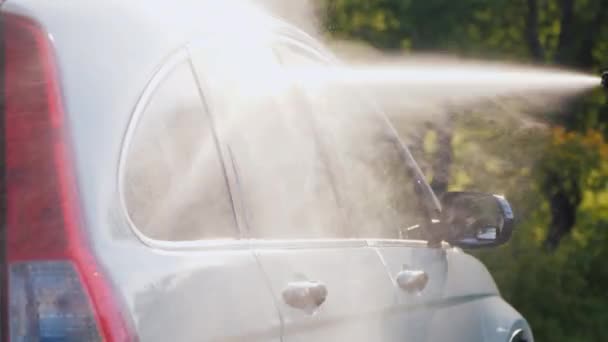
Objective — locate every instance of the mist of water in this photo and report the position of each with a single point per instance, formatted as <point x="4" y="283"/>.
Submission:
<point x="303" y="137"/>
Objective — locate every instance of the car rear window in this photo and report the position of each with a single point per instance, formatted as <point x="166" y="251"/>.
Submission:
<point x="174" y="185"/>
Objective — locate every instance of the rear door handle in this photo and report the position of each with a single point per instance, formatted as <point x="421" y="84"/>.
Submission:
<point x="412" y="280"/>
<point x="305" y="295"/>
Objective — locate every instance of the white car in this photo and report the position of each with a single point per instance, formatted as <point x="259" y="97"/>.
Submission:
<point x="171" y="173"/>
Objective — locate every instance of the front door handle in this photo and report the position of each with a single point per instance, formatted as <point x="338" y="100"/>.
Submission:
<point x="412" y="280"/>
<point x="305" y="295"/>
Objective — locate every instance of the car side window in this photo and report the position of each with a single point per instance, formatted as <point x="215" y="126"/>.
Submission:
<point x="174" y="184"/>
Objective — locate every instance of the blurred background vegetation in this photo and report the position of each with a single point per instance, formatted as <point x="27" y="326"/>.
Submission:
<point x="553" y="169"/>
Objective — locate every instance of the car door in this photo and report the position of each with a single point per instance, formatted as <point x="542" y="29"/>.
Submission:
<point x="386" y="204"/>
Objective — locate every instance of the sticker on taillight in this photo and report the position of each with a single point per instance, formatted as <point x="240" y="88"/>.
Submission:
<point x="47" y="302"/>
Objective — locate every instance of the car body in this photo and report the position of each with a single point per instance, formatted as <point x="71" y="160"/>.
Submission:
<point x="134" y="272"/>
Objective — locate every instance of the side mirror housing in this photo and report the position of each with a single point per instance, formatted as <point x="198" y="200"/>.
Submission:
<point x="475" y="220"/>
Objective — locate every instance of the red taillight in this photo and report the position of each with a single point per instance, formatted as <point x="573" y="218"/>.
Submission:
<point x="55" y="288"/>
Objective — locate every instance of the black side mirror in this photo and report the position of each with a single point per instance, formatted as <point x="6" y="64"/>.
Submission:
<point x="474" y="220"/>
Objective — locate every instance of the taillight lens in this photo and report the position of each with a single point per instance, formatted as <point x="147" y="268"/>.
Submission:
<point x="47" y="303"/>
<point x="56" y="290"/>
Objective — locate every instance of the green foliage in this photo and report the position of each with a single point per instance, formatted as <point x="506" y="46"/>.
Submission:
<point x="468" y="27"/>
<point x="574" y="160"/>
<point x="562" y="292"/>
